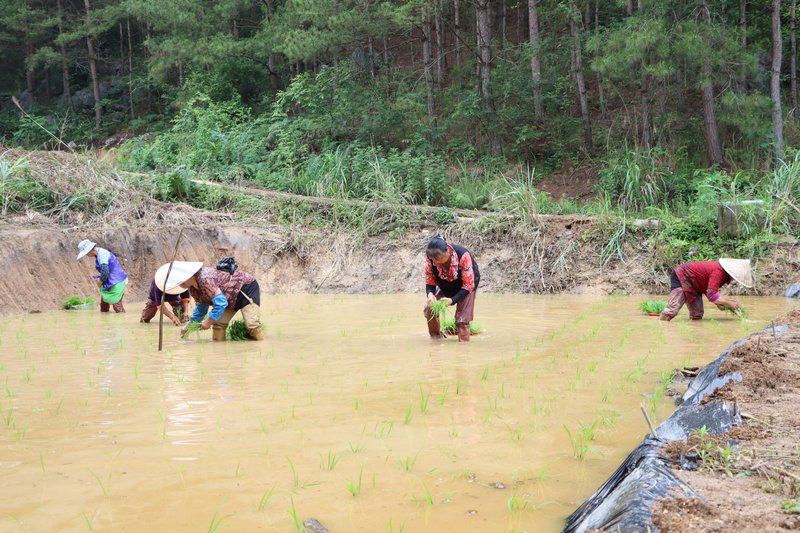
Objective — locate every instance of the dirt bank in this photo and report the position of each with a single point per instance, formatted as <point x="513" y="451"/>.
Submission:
<point x="748" y="478"/>
<point x="38" y="267"/>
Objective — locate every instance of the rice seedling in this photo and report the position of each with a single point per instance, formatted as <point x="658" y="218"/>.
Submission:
<point x="328" y="463"/>
<point x="355" y="488"/>
<point x="443" y="395"/>
<point x="485" y="374"/>
<point x="517" y="504"/>
<point x="384" y="429"/>
<point x="423" y="401"/>
<point x="409" y="414"/>
<point x="427" y="497"/>
<point x="100" y="482"/>
<point x="653" y="307"/>
<point x="298" y="524"/>
<point x="264" y="501"/>
<point x="408" y="463"/>
<point x="78" y="303"/>
<point x="438" y="310"/>
<point x="89" y="521"/>
<point x="580" y="440"/>
<point x="192" y="327"/>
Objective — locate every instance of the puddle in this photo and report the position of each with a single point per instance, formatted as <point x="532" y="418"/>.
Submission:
<point x="348" y="395"/>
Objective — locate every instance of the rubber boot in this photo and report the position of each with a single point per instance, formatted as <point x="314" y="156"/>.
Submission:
<point x="257" y="334"/>
<point x="218" y="333"/>
<point x="463" y="332"/>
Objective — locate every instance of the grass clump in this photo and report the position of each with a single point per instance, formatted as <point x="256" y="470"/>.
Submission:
<point x="76" y="302"/>
<point x="237" y="331"/>
<point x="438" y="310"/>
<point x="653" y="307"/>
<point x="448" y="325"/>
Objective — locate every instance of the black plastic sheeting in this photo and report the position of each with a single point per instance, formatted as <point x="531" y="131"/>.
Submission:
<point x="625" y="501"/>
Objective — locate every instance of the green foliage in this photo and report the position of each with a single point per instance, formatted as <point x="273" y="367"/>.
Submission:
<point x="653" y="307"/>
<point x="448" y="325"/>
<point x="76" y="302"/>
<point x="438" y="310"/>
<point x="237" y="331"/>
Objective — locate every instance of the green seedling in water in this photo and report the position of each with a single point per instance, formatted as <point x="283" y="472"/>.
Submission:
<point x="262" y="503"/>
<point x="355" y="488"/>
<point x="426" y="498"/>
<point x="443" y="395"/>
<point x="408" y="463"/>
<point x="485" y="374"/>
<point x="328" y="463"/>
<point x="653" y="307"/>
<point x="423" y="401"/>
<point x="76" y="302"/>
<point x="517" y="504"/>
<point x="409" y="414"/>
<point x="216" y="520"/>
<point x="580" y="440"/>
<point x="298" y="525"/>
<point x="100" y="482"/>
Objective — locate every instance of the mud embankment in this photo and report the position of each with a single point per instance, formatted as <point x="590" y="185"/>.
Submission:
<point x="38" y="269"/>
<point x="726" y="460"/>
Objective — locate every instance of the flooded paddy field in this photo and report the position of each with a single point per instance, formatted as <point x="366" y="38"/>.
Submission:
<point x="348" y="413"/>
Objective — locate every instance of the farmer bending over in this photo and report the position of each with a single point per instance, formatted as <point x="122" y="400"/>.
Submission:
<point x="178" y="302"/>
<point x="451" y="275"/>
<point x="112" y="279"/>
<point x="689" y="281"/>
<point x="225" y="292"/>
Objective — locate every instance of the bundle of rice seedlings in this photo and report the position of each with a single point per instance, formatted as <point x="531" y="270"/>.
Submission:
<point x="438" y="310"/>
<point x="448" y="326"/>
<point x="192" y="327"/>
<point x="653" y="307"/>
<point x="237" y="331"/>
<point x="76" y="302"/>
<point x="741" y="312"/>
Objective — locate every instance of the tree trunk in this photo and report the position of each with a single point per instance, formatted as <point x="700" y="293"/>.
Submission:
<point x="574" y="20"/>
<point x="440" y="58"/>
<point x="503" y="22"/>
<point x="371" y="52"/>
<point x="775" y="81"/>
<point x="600" y="84"/>
<point x="28" y="69"/>
<point x="793" y="62"/>
<point x="743" y="21"/>
<point x="457" y="30"/>
<point x="536" y="66"/>
<point x="67" y="92"/>
<point x="130" y="69"/>
<point x="235" y="30"/>
<point x="709" y="115"/>
<point x="630" y="8"/>
<point x="426" y="69"/>
<point x="98" y="112"/>
<point x="485" y="40"/>
<point x="385" y="52"/>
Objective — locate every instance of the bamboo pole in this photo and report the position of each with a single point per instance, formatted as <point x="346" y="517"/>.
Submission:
<point x="164" y="294"/>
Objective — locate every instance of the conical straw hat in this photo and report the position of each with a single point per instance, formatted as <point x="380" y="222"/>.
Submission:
<point x="181" y="271"/>
<point x="738" y="269"/>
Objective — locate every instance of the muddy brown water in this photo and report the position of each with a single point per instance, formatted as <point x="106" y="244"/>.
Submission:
<point x="101" y="432"/>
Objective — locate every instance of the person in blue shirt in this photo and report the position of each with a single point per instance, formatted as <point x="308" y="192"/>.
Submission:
<point x="111" y="279"/>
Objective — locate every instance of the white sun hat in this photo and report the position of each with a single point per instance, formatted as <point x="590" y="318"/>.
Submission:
<point x="738" y="269"/>
<point x="181" y="271"/>
<point x="84" y="247"/>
